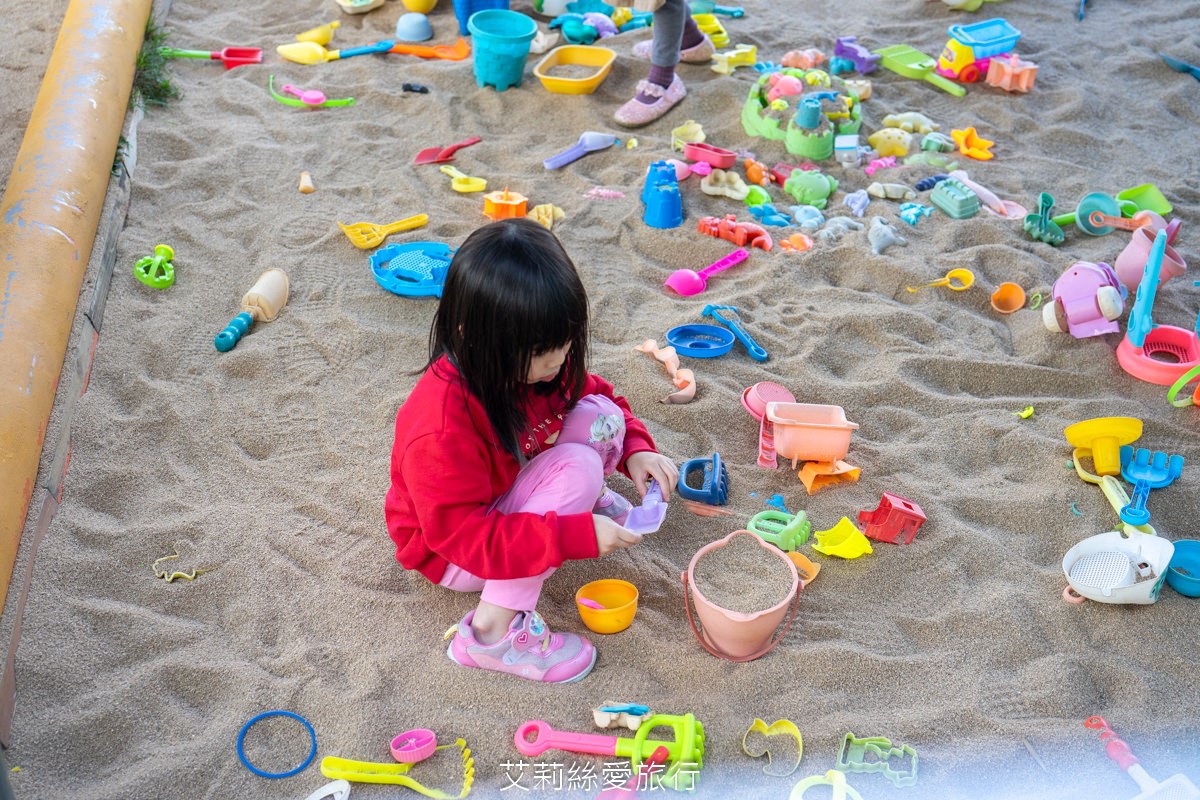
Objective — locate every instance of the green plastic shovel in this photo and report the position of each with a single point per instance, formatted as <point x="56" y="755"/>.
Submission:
<point x="910" y="62"/>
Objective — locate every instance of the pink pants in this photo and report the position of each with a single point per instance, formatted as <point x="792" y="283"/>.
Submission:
<point x="568" y="478"/>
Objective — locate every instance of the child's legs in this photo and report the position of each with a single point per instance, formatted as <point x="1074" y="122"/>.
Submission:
<point x="668" y="32"/>
<point x="599" y="423"/>
<point x="567" y="479"/>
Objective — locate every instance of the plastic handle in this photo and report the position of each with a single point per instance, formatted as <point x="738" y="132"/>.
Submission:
<point x="378" y="47"/>
<point x="172" y="52"/>
<point x="752" y="347"/>
<point x="227" y="339"/>
<point x="736" y="257"/>
<point x="945" y="84"/>
<point x="572" y="153"/>
<point x="546" y="738"/>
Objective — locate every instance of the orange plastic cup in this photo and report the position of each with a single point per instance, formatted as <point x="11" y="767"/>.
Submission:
<point x="619" y="601"/>
<point x="1008" y="297"/>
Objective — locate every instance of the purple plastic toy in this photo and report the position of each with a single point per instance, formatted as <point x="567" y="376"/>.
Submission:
<point x="864" y="60"/>
<point x="1086" y="300"/>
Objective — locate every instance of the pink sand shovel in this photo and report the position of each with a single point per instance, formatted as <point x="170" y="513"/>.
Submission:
<point x="688" y="282"/>
<point x="1176" y="787"/>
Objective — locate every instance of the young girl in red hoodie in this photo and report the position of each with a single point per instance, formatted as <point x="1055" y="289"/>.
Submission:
<point x="502" y="448"/>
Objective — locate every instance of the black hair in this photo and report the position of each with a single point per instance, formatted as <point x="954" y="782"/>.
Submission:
<point x="511" y="293"/>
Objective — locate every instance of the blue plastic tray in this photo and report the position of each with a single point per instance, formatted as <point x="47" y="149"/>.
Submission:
<point x="412" y="269"/>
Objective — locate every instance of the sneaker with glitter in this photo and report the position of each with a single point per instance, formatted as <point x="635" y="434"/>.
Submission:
<point x="613" y="506"/>
<point x="529" y="650"/>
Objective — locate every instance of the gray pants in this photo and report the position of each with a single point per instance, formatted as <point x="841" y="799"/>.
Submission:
<point x="668" y="32"/>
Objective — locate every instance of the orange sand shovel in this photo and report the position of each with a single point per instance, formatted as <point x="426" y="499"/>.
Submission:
<point x="451" y="52"/>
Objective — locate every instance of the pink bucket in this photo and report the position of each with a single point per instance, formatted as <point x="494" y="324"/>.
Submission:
<point x="735" y="635"/>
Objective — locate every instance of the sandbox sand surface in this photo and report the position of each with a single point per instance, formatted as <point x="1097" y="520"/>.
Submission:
<point x="267" y="465"/>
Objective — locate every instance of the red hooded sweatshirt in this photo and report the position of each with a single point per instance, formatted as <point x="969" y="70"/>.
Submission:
<point x="448" y="467"/>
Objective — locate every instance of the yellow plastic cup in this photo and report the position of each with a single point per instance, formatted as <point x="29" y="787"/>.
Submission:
<point x="419" y="6"/>
<point x="619" y="600"/>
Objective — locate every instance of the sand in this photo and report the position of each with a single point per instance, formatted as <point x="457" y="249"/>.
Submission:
<point x="267" y="465"/>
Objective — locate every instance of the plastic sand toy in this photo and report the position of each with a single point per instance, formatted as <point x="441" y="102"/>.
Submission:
<point x="897" y="763"/>
<point x="397" y="774"/>
<point x="756" y="742"/>
<point x="461" y="182"/>
<point x="810" y="432"/>
<point x="598" y="59"/>
<point x="230" y="56"/>
<point x="688" y="282"/>
<point x="607" y="606"/>
<point x="730" y="318"/>
<point x="895" y="520"/>
<point x="1176" y="787"/>
<point x="1156" y="353"/>
<point x="786" y="531"/>
<point x="504" y="205"/>
<point x="300" y="98"/>
<point x="1117" y="567"/>
<point x="368" y="235"/>
<point x="700" y="341"/>
<point x="843" y="540"/>
<point x="712" y="487"/>
<point x="412" y="269"/>
<point x="956" y="280"/>
<point x="909" y="62"/>
<point x="262" y="303"/>
<point x="1086" y="301"/>
<point x="685" y="751"/>
<point x="835" y="779"/>
<point x="1103" y="437"/>
<point x="156" y="271"/>
<point x="589" y="142"/>
<point x="1146" y="470"/>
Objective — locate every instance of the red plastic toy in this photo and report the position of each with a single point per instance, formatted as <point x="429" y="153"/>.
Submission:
<point x="895" y="520"/>
<point x="743" y="234"/>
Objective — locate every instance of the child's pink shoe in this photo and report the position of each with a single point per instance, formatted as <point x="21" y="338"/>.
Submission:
<point x="700" y="53"/>
<point x="635" y="113"/>
<point x="528" y="650"/>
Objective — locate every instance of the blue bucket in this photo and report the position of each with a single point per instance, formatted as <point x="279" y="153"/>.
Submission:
<point x="502" y="39"/>
<point x="463" y="9"/>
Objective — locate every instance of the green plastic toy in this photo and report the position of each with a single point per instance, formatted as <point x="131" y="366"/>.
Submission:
<point x="156" y="271"/>
<point x="897" y="763"/>
<point x="785" y="531"/>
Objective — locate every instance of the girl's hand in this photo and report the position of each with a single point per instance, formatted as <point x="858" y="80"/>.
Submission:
<point x="646" y="464"/>
<point x="610" y="536"/>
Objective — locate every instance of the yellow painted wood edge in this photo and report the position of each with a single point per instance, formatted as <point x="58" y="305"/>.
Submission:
<point x="49" y="215"/>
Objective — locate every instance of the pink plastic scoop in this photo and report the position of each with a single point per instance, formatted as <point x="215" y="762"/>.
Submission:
<point x="688" y="282"/>
<point x="310" y="97"/>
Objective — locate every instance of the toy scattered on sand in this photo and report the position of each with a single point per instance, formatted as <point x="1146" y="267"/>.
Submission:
<point x="589" y="142"/>
<point x="262" y="303"/>
<point x="956" y="280"/>
<point x="156" y="271"/>
<point x="1176" y="787"/>
<point x="229" y="56"/>
<point x="304" y="98"/>
<point x="442" y="155"/>
<point x="368" y="235"/>
<point x="688" y="282"/>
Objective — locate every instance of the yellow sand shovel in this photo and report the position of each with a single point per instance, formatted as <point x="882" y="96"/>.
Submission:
<point x="366" y="235"/>
<point x="313" y="53"/>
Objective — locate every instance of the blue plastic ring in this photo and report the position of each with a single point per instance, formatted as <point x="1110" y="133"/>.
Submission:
<point x="262" y="774"/>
